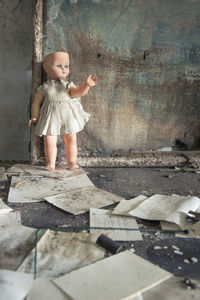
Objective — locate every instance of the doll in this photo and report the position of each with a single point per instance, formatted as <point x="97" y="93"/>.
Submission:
<point x="57" y="110"/>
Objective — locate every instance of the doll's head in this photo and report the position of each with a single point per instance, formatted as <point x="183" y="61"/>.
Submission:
<point x="56" y="65"/>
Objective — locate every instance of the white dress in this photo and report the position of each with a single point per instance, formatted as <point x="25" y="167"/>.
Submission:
<point x="60" y="114"/>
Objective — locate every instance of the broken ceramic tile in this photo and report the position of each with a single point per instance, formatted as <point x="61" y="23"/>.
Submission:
<point x="80" y="200"/>
<point x="39" y="188"/>
<point x="61" y="252"/>
<point x="168" y="208"/>
<point x="16" y="241"/>
<point x="125" y="206"/>
<point x="116" y="277"/>
<point x="45" y="289"/>
<point x="104" y="218"/>
<point x="14" y="285"/>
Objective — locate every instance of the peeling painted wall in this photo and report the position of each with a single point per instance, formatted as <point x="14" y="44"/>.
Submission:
<point x="15" y="83"/>
<point x="146" y="55"/>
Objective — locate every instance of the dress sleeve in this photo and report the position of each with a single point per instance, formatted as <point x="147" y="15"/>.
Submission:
<point x="70" y="84"/>
<point x="40" y="89"/>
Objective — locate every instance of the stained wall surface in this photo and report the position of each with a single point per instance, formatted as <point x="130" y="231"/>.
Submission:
<point x="146" y="55"/>
<point x="15" y="83"/>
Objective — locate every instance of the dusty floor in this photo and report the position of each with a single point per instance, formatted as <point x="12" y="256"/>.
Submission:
<point x="128" y="183"/>
<point x="125" y="182"/>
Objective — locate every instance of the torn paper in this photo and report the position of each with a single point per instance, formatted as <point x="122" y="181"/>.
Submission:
<point x="14" y="285"/>
<point x="104" y="218"/>
<point x="61" y="252"/>
<point x="167" y="208"/>
<point x="125" y="206"/>
<point x="116" y="277"/>
<point x="16" y="242"/>
<point x="80" y="200"/>
<point x="39" y="188"/>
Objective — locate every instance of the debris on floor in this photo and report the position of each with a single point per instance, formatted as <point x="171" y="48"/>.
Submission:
<point x="125" y="206"/>
<point x="172" y="208"/>
<point x="65" y="262"/>
<point x="16" y="242"/>
<point x="116" y="277"/>
<point x="62" y="252"/>
<point x="80" y="200"/>
<point x="39" y="188"/>
<point x="14" y="285"/>
<point x="29" y="171"/>
<point x="45" y="289"/>
<point x="104" y="218"/>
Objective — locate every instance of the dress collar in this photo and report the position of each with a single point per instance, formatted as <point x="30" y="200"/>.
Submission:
<point x="54" y="81"/>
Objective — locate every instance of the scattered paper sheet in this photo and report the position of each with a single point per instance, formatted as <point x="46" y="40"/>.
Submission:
<point x="80" y="200"/>
<point x="16" y="242"/>
<point x="167" y="208"/>
<point x="61" y="252"/>
<point x="14" y="285"/>
<point x="28" y="170"/>
<point x="125" y="206"/>
<point x="113" y="278"/>
<point x="44" y="289"/>
<point x="39" y="188"/>
<point x="104" y="218"/>
<point x="4" y="208"/>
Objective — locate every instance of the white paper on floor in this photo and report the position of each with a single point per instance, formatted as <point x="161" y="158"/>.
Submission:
<point x="172" y="208"/>
<point x="125" y="206"/>
<point x="172" y="226"/>
<point x="44" y="289"/>
<point x="39" y="188"/>
<point x="16" y="242"/>
<point x="61" y="252"/>
<point x="113" y="278"/>
<point x="28" y="170"/>
<point x="80" y="200"/>
<point x="104" y="218"/>
<point x="4" y="208"/>
<point x="14" y="285"/>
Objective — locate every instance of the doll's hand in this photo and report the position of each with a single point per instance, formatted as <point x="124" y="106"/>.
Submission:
<point x="92" y="80"/>
<point x="32" y="121"/>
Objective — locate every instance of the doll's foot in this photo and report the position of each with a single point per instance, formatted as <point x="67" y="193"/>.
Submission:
<point x="72" y="166"/>
<point x="49" y="167"/>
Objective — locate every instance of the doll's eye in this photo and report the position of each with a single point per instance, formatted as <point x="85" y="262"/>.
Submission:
<point x="66" y="66"/>
<point x="59" y="66"/>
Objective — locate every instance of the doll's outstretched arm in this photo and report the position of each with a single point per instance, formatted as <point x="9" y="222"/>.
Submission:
<point x="35" y="109"/>
<point x="83" y="89"/>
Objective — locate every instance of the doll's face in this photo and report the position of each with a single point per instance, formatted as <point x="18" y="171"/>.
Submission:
<point x="56" y="65"/>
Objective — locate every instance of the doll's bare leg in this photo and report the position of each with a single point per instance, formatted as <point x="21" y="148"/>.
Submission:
<point x="45" y="151"/>
<point x="50" y="149"/>
<point x="71" y="150"/>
